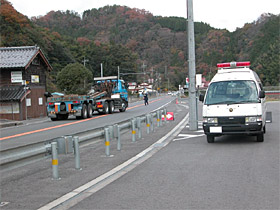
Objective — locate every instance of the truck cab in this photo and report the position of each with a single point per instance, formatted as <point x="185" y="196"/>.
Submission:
<point x="234" y="103"/>
<point x="120" y="89"/>
<point x="116" y="97"/>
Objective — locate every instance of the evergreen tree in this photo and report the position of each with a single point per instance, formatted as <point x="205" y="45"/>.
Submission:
<point x="268" y="66"/>
<point x="74" y="79"/>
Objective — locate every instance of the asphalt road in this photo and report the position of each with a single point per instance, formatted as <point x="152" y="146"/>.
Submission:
<point x="44" y="129"/>
<point x="159" y="171"/>
<point x="32" y="186"/>
<point x="235" y="172"/>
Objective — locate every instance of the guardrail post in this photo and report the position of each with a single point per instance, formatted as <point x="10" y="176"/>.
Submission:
<point x="111" y="131"/>
<point x="77" y="152"/>
<point x="148" y="124"/>
<point x="139" y="127"/>
<point x="117" y="134"/>
<point x="165" y="113"/>
<point x="133" y="122"/>
<point x="54" y="161"/>
<point x="152" y="122"/>
<point x="158" y="118"/>
<point x="107" y="141"/>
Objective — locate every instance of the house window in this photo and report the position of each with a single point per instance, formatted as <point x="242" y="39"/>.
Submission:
<point x="34" y="78"/>
<point x="40" y="101"/>
<point x="28" y="102"/>
<point x="9" y="108"/>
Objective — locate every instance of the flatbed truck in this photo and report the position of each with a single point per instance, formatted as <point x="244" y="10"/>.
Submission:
<point x="109" y="95"/>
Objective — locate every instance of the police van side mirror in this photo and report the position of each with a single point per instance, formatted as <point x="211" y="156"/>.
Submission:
<point x="261" y="94"/>
<point x="201" y="97"/>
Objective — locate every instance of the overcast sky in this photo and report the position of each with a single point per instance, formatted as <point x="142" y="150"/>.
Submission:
<point x="228" y="14"/>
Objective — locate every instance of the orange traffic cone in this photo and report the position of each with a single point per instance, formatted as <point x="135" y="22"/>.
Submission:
<point x="176" y="100"/>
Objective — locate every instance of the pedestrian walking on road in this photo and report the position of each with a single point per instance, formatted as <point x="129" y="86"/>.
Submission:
<point x="146" y="99"/>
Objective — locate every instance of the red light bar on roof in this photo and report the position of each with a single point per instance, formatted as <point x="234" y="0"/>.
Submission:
<point x="233" y="64"/>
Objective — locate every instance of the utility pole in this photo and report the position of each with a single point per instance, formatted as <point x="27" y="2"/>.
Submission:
<point x="101" y="73"/>
<point x="191" y="55"/>
<point x="25" y="91"/>
<point x="144" y="66"/>
<point x="85" y="60"/>
<point x="118" y="73"/>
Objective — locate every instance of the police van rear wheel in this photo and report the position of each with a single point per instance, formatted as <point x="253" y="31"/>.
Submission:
<point x="210" y="139"/>
<point x="260" y="137"/>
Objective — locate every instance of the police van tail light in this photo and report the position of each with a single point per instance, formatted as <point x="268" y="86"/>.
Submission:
<point x="234" y="64"/>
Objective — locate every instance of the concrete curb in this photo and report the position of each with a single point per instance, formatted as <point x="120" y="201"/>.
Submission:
<point x="10" y="124"/>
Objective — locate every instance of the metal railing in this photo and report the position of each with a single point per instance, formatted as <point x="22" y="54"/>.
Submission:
<point x="23" y="155"/>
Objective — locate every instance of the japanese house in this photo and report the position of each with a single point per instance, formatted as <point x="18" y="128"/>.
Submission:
<point x="23" y="82"/>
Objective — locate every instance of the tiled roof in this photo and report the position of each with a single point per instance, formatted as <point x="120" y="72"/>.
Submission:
<point x="12" y="93"/>
<point x="19" y="57"/>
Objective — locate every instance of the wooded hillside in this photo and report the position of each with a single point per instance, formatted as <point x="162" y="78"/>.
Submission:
<point x="125" y="37"/>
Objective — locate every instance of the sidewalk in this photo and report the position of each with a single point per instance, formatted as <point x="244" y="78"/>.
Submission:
<point x="8" y="123"/>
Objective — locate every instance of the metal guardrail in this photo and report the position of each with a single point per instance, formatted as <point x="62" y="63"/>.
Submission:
<point x="272" y="92"/>
<point x="20" y="156"/>
<point x="23" y="155"/>
<point x="268" y="88"/>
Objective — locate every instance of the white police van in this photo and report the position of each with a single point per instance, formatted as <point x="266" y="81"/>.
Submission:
<point x="234" y="103"/>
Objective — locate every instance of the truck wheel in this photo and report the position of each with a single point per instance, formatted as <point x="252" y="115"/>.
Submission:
<point x="64" y="117"/>
<point x="84" y="111"/>
<point x="111" y="107"/>
<point x="210" y="139"/>
<point x="54" y="119"/>
<point x="260" y="137"/>
<point x="123" y="107"/>
<point x="89" y="110"/>
<point x="105" y="108"/>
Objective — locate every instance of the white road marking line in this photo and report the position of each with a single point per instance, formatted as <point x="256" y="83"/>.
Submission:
<point x="187" y="136"/>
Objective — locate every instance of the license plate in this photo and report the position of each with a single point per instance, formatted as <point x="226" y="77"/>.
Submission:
<point x="99" y="106"/>
<point x="216" y="129"/>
